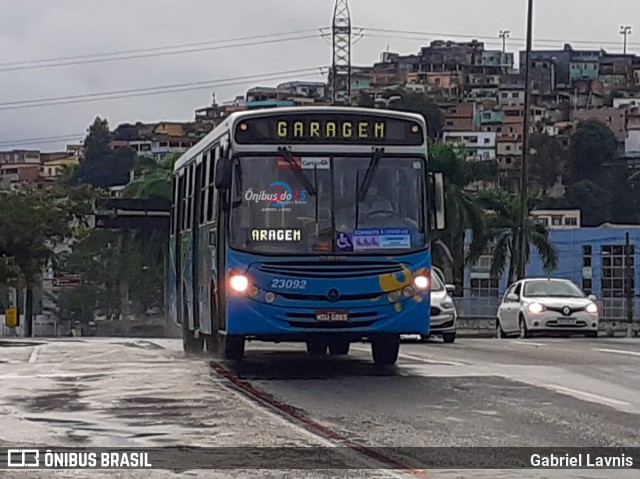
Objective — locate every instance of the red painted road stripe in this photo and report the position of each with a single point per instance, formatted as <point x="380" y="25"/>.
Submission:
<point x="311" y="425"/>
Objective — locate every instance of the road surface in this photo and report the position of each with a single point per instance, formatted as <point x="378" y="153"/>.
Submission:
<point x="104" y="392"/>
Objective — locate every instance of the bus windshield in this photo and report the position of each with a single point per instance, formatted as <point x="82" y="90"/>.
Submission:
<point x="273" y="213"/>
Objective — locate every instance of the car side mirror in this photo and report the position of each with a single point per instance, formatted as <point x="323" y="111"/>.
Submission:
<point x="450" y="288"/>
<point x="513" y="297"/>
<point x="592" y="297"/>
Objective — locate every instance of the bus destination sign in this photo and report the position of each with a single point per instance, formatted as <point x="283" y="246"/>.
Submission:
<point x="332" y="128"/>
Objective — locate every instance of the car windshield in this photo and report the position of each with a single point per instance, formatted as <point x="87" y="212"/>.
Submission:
<point x="274" y="213"/>
<point x="552" y="289"/>
<point x="436" y="283"/>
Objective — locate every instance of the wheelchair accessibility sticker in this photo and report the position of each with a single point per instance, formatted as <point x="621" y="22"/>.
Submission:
<point x="386" y="238"/>
<point x="343" y="242"/>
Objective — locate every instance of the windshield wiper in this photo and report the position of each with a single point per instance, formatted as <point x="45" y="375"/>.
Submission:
<point x="297" y="171"/>
<point x="368" y="176"/>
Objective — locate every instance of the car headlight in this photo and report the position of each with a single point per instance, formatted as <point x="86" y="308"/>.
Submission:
<point x="536" y="308"/>
<point x="447" y="305"/>
<point x="592" y="308"/>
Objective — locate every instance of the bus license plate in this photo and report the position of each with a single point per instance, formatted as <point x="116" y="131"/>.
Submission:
<point x="332" y="316"/>
<point x="567" y="321"/>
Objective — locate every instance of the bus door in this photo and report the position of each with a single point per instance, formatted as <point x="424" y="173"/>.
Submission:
<point x="222" y="206"/>
<point x="209" y="242"/>
<point x="179" y="228"/>
<point x="196" y="253"/>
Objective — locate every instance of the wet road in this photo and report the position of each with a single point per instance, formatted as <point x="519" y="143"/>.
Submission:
<point x="477" y="392"/>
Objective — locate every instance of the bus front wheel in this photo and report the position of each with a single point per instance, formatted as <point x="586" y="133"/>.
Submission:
<point x="385" y="350"/>
<point x="339" y="348"/>
<point x="317" y="347"/>
<point x="232" y="347"/>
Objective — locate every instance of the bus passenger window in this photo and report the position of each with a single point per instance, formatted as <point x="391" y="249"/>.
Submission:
<point x="203" y="187"/>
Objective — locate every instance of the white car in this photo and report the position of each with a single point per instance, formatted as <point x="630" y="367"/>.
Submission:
<point x="545" y="305"/>
<point x="443" y="310"/>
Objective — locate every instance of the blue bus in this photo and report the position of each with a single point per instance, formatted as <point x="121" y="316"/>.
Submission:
<point x="307" y="224"/>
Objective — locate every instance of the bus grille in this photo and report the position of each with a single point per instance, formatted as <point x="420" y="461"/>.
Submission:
<point x="323" y="297"/>
<point x="316" y="325"/>
<point x="338" y="269"/>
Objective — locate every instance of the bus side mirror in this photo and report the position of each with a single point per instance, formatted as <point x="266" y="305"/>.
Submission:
<point x="436" y="181"/>
<point x="223" y="174"/>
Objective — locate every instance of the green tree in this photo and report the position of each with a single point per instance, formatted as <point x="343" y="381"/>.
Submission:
<point x="33" y="225"/>
<point x="103" y="167"/>
<point x="503" y="219"/>
<point x="463" y="212"/>
<point x="592" y="146"/>
<point x="153" y="180"/>
<point x="548" y="160"/>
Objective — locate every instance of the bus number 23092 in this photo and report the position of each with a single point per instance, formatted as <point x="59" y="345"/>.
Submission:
<point x="278" y="283"/>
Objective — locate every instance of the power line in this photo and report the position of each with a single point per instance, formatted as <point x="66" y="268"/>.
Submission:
<point x="152" y="49"/>
<point x="538" y="40"/>
<point x="42" y="139"/>
<point x="7" y="67"/>
<point x="15" y="105"/>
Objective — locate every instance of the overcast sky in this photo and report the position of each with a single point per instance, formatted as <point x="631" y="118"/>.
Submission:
<point x="37" y="29"/>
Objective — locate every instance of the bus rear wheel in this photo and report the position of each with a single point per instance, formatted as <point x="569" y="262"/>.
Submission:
<point x="385" y="350"/>
<point x="339" y="348"/>
<point x="190" y="344"/>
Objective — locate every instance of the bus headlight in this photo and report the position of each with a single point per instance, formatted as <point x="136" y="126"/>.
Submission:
<point x="421" y="282"/>
<point x="408" y="291"/>
<point x="239" y="283"/>
<point x="254" y="291"/>
<point x="393" y="296"/>
<point x="269" y="296"/>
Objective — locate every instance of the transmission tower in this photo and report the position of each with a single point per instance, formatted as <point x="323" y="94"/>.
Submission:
<point x="341" y="71"/>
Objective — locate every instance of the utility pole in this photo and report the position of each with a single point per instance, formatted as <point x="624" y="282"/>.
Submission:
<point x="504" y="34"/>
<point x="624" y="31"/>
<point x="629" y="287"/>
<point x="524" y="210"/>
<point x="341" y="70"/>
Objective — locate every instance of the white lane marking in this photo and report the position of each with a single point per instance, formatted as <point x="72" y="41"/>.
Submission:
<point x="430" y="361"/>
<point x="266" y="409"/>
<point x="34" y="355"/>
<point x="528" y="343"/>
<point x="586" y="396"/>
<point x="617" y="351"/>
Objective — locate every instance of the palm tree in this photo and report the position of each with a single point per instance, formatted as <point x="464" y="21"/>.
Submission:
<point x="154" y="180"/>
<point x="503" y="219"/>
<point x="462" y="209"/>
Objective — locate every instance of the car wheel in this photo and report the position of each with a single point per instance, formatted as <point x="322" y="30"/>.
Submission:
<point x="524" y="332"/>
<point x="449" y="337"/>
<point x="500" y="334"/>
